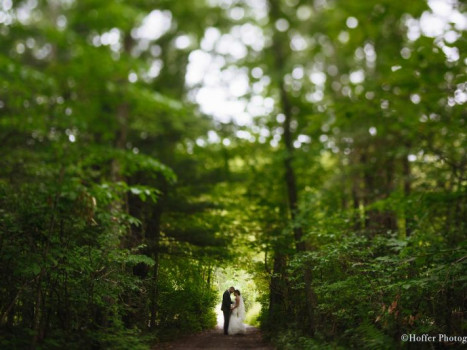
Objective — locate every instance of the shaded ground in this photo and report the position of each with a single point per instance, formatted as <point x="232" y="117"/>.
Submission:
<point x="215" y="339"/>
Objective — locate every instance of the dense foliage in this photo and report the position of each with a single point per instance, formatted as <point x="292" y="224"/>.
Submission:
<point x="365" y="226"/>
<point x="103" y="237"/>
<point x="344" y="195"/>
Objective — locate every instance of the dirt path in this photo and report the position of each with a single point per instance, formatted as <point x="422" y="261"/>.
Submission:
<point x="215" y="339"/>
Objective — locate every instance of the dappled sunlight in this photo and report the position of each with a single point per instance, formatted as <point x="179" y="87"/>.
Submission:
<point x="310" y="154"/>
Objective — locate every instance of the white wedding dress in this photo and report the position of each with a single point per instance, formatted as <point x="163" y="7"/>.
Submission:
<point x="237" y="317"/>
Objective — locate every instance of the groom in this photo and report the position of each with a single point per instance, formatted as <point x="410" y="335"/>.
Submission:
<point x="226" y="302"/>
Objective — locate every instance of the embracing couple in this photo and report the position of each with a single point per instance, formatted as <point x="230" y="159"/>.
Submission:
<point x="234" y="312"/>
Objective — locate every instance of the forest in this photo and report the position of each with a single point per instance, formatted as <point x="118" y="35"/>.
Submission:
<point x="311" y="152"/>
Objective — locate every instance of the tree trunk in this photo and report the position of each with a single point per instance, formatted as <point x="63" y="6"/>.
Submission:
<point x="276" y="291"/>
<point x="154" y="291"/>
<point x="292" y="193"/>
<point x="153" y="237"/>
<point x="120" y="204"/>
<point x="38" y="312"/>
<point x="407" y="191"/>
<point x="122" y="117"/>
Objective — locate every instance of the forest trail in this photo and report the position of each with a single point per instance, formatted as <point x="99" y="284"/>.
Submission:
<point x="215" y="339"/>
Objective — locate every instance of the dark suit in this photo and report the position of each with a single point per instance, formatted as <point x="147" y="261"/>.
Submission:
<point x="226" y="302"/>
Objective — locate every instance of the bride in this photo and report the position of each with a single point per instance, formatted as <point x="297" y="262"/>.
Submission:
<point x="237" y="315"/>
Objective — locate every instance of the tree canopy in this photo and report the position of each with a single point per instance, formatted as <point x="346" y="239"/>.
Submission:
<point x="153" y="151"/>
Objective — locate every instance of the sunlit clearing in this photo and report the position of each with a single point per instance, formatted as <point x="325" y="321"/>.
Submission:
<point x="243" y="281"/>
